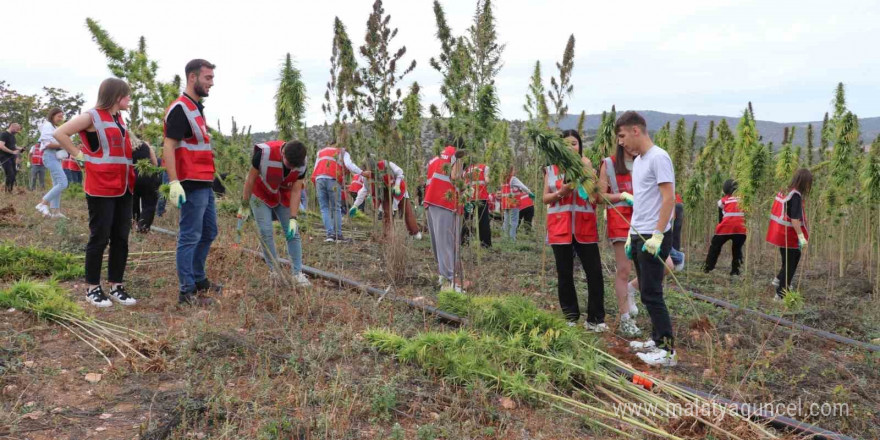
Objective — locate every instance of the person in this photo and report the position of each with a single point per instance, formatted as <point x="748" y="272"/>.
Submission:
<point x="273" y="186"/>
<point x="327" y="177"/>
<point x="731" y="227"/>
<point x="189" y="162"/>
<point x="53" y="154"/>
<point x="478" y="177"/>
<point x="146" y="189"/>
<point x="106" y="151"/>
<point x="72" y="171"/>
<point x="526" y="209"/>
<point x="37" y="170"/>
<point x="357" y="183"/>
<point x="392" y="187"/>
<point x="572" y="229"/>
<point x="443" y="205"/>
<point x="8" y="154"/>
<point x="650" y="234"/>
<point x="788" y="228"/>
<point x="675" y="253"/>
<point x="510" y="202"/>
<point x="615" y="183"/>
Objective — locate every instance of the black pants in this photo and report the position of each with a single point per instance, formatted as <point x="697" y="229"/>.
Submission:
<point x="526" y="216"/>
<point x="109" y="221"/>
<point x="483" y="226"/>
<point x="676" y="226"/>
<point x="146" y="198"/>
<point x="650" y="270"/>
<point x="790" y="260"/>
<point x="9" y="171"/>
<point x="715" y="250"/>
<point x="592" y="264"/>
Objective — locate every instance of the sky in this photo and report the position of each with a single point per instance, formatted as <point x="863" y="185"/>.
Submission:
<point x="678" y="56"/>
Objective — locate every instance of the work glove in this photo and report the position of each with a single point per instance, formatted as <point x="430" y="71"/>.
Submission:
<point x="802" y="241"/>
<point x="652" y="245"/>
<point x="468" y="207"/>
<point x="292" y="229"/>
<point x="395" y="190"/>
<point x="243" y="212"/>
<point x="627" y="197"/>
<point x="176" y="194"/>
<point x="532" y="196"/>
<point x="353" y="211"/>
<point x="582" y="193"/>
<point x="80" y="159"/>
<point x="627" y="248"/>
<point x="468" y="193"/>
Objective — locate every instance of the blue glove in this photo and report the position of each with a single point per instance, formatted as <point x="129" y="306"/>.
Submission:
<point x="627" y="197"/>
<point x="468" y="207"/>
<point x="802" y="241"/>
<point x="582" y="192"/>
<point x="652" y="245"/>
<point x="292" y="229"/>
<point x="627" y="248"/>
<point x="353" y="211"/>
<point x="532" y="196"/>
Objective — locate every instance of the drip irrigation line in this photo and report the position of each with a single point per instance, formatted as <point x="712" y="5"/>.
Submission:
<point x="745" y="409"/>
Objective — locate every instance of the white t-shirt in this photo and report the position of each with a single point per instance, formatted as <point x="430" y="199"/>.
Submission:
<point x="649" y="171"/>
<point x="47" y="134"/>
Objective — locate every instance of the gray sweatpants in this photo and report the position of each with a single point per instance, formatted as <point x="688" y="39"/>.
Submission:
<point x="445" y="228"/>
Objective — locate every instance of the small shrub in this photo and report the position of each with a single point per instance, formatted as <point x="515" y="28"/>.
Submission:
<point x="426" y="432"/>
<point x="384" y="402"/>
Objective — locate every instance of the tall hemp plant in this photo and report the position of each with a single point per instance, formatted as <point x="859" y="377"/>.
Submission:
<point x="751" y="167"/>
<point x="561" y="88"/>
<point x="453" y="117"/>
<point x="536" y="102"/>
<point x="809" y="146"/>
<point x="870" y="178"/>
<point x="342" y="98"/>
<point x="290" y="103"/>
<point x="678" y="149"/>
<point x="410" y="129"/>
<point x="840" y="193"/>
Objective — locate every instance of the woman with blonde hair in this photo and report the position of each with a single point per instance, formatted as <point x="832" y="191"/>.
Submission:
<point x="109" y="184"/>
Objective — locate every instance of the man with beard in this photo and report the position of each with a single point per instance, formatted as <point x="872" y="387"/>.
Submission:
<point x="189" y="162"/>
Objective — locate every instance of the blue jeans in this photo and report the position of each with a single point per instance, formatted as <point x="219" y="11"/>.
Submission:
<point x="676" y="255"/>
<point x="263" y="218"/>
<point x="198" y="229"/>
<point x="331" y="202"/>
<point x="511" y="221"/>
<point x="59" y="180"/>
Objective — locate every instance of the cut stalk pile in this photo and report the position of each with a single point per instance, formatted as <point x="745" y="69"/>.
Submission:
<point x="17" y="262"/>
<point x="534" y="356"/>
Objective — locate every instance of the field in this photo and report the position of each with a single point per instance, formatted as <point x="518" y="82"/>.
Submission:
<point x="271" y="362"/>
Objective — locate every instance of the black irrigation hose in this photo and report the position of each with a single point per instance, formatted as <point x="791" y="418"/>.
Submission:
<point x="776" y="421"/>
<point x="784" y="322"/>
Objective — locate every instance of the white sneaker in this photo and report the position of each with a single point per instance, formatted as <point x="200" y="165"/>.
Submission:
<point x="119" y="295"/>
<point x="680" y="266"/>
<point x="301" y="280"/>
<point x="572" y="323"/>
<point x="454" y="287"/>
<point x="775" y="282"/>
<point x="418" y="236"/>
<point x="629" y="329"/>
<point x="631" y="293"/>
<point x="329" y="240"/>
<point x="42" y="209"/>
<point x="441" y="280"/>
<point x="57" y="215"/>
<point x="97" y="298"/>
<point x="659" y="357"/>
<point x="642" y="345"/>
<point x="596" y="328"/>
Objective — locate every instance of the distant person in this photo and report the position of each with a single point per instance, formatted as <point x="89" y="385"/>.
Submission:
<point x="675" y="254"/>
<point x="392" y="191"/>
<point x="650" y="239"/>
<point x="731" y="227"/>
<point x="146" y="189"/>
<point x="189" y="162"/>
<point x="788" y="228"/>
<point x="8" y="154"/>
<point x="327" y="177"/>
<point x="477" y="176"/>
<point x="526" y="210"/>
<point x="37" y="170"/>
<point x="106" y="151"/>
<point x="443" y="204"/>
<point x="510" y="202"/>
<point x="72" y="170"/>
<point x="53" y="154"/>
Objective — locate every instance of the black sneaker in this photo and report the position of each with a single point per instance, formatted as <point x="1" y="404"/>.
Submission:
<point x="194" y="299"/>
<point x="97" y="298"/>
<point x="341" y="239"/>
<point x="119" y="295"/>
<point x="206" y="286"/>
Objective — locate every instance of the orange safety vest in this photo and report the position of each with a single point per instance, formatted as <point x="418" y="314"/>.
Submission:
<point x="781" y="232"/>
<point x="273" y="187"/>
<point x="37" y="156"/>
<point x="476" y="176"/>
<point x="194" y="157"/>
<point x="439" y="190"/>
<point x="569" y="216"/>
<point x="329" y="159"/>
<point x="733" y="220"/>
<point x="109" y="171"/>
<point x="618" y="215"/>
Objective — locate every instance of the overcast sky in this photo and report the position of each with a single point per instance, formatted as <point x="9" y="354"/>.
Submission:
<point x="689" y="56"/>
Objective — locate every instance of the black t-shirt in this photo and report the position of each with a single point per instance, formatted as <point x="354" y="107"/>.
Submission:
<point x="140" y="153"/>
<point x="255" y="162"/>
<point x="177" y="127"/>
<point x="794" y="207"/>
<point x="92" y="136"/>
<point x="9" y="139"/>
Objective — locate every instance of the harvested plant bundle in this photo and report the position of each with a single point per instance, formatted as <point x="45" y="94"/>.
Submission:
<point x="17" y="262"/>
<point x="556" y="152"/>
<point x="48" y="301"/>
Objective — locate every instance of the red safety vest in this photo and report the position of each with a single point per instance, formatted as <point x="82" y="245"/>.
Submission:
<point x="194" y="157"/>
<point x="389" y="179"/>
<point x="439" y="190"/>
<point x="476" y="176"/>
<point x="109" y="170"/>
<point x="781" y="232"/>
<point x="357" y="182"/>
<point x="492" y="201"/>
<point x="733" y="220"/>
<point x="617" y="215"/>
<point x="273" y="187"/>
<point x="525" y="201"/>
<point x="328" y="164"/>
<point x="70" y="164"/>
<point x="37" y="156"/>
<point x="569" y="216"/>
<point x="508" y="199"/>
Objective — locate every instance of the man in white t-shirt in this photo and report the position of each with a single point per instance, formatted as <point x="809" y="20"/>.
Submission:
<point x="653" y="180"/>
